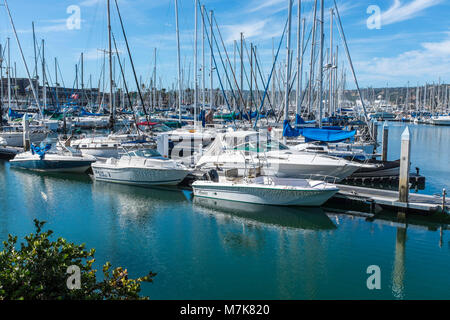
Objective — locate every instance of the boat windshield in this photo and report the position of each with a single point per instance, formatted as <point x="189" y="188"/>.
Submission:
<point x="161" y="127"/>
<point x="145" y="153"/>
<point x="264" y="146"/>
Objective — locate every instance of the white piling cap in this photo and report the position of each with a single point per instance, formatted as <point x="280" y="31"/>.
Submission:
<point x="405" y="134"/>
<point x="385" y="124"/>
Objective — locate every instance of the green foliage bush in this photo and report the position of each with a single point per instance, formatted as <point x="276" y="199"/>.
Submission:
<point x="38" y="271"/>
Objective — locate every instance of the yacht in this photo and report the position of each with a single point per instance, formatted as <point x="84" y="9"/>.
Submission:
<point x="109" y="146"/>
<point x="333" y="150"/>
<point x="51" y="157"/>
<point x="144" y="167"/>
<point x="13" y="134"/>
<point x="241" y="149"/>
<point x="440" y="120"/>
<point x="267" y="190"/>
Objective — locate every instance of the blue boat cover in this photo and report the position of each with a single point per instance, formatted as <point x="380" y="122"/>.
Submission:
<point x="41" y="150"/>
<point x="299" y="120"/>
<point x="326" y="135"/>
<point x="14" y="115"/>
<point x="288" y="131"/>
<point x="317" y="134"/>
<point x="86" y="113"/>
<point x="253" y="115"/>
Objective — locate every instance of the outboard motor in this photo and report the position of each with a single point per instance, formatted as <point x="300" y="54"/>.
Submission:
<point x="211" y="175"/>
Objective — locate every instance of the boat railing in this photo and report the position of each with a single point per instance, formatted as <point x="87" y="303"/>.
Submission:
<point x="327" y="179"/>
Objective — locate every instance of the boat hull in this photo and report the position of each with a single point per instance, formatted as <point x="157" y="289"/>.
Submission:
<point x="441" y="122"/>
<point x="263" y="194"/>
<point x="52" y="165"/>
<point x="15" y="139"/>
<point x="138" y="176"/>
<point x="292" y="170"/>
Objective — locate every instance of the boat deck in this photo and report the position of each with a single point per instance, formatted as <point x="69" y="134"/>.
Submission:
<point x="7" y="153"/>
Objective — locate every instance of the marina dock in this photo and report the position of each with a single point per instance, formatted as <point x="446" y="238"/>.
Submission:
<point x="378" y="198"/>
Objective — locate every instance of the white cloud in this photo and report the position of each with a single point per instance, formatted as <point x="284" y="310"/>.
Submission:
<point x="90" y="3"/>
<point x="430" y="61"/>
<point x="401" y="12"/>
<point x="57" y="27"/>
<point x="266" y="4"/>
<point x="250" y="30"/>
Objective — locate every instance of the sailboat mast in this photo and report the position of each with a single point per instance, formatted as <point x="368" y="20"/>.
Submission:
<point x="8" y="70"/>
<point x="154" y="82"/>
<point x="23" y="58"/>
<point x="111" y="107"/>
<point x="44" y="87"/>
<point x="288" y="66"/>
<point x="311" y="64"/>
<point x="242" y="72"/>
<point x="56" y="82"/>
<point x="82" y="78"/>
<point x="203" y="58"/>
<point x="35" y="55"/>
<point x="274" y="75"/>
<point x="1" y="85"/>
<point x="299" y="56"/>
<point x="330" y="89"/>
<point x="321" y="63"/>
<point x="179" y="61"/>
<point x="195" y="65"/>
<point x="211" y="75"/>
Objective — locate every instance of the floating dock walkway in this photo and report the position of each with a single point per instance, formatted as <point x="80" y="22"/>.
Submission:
<point x="389" y="199"/>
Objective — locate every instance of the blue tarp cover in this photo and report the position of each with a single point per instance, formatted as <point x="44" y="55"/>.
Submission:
<point x="14" y="115"/>
<point x="41" y="150"/>
<point x="326" y="135"/>
<point x="86" y="113"/>
<point x="317" y="134"/>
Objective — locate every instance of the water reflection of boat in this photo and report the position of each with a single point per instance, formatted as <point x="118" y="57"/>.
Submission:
<point x="313" y="218"/>
<point x="136" y="202"/>
<point x="152" y="194"/>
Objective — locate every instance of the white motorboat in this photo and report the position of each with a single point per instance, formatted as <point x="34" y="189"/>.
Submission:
<point x="13" y="134"/>
<point x="341" y="151"/>
<point x="52" y="158"/>
<point x="144" y="167"/>
<point x="109" y="146"/>
<point x="440" y="120"/>
<point x="187" y="141"/>
<point x="267" y="190"/>
<point x="238" y="149"/>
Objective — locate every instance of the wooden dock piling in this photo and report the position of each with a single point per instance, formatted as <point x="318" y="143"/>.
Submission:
<point x="405" y="154"/>
<point x="26" y="133"/>
<point x="385" y="141"/>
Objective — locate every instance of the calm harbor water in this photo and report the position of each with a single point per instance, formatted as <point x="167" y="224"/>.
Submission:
<point x="430" y="152"/>
<point x="205" y="249"/>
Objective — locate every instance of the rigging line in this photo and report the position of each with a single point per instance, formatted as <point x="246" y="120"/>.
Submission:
<point x="126" y="87"/>
<point x="271" y="73"/>
<point x="215" y="64"/>
<point x="131" y="60"/>
<point x="221" y="59"/>
<point x="229" y="62"/>
<point x="253" y="78"/>
<point x="264" y="85"/>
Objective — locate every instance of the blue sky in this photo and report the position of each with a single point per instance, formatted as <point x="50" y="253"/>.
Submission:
<point x="412" y="44"/>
